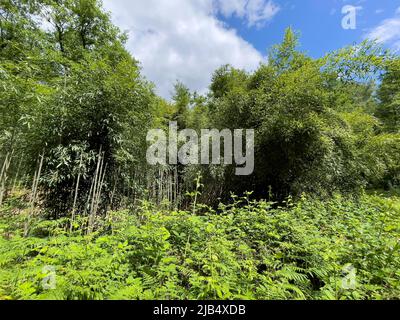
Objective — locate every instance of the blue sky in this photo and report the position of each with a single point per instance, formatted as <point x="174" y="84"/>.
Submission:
<point x="319" y="23"/>
<point x="187" y="40"/>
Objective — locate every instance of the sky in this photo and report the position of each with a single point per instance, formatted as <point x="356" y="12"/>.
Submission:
<point x="187" y="40"/>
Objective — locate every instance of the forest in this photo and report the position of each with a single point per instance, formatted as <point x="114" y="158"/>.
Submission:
<point x="84" y="216"/>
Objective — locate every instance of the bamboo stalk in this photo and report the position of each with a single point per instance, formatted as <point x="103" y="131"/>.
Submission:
<point x="2" y="181"/>
<point x="33" y="196"/>
<point x="3" y="167"/>
<point x="76" y="194"/>
<point x="100" y="190"/>
<point x="17" y="174"/>
<point x="99" y="176"/>
<point x="95" y="183"/>
<point x="4" y="176"/>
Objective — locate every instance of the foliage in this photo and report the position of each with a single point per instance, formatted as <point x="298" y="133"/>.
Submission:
<point x="389" y="95"/>
<point x="74" y="114"/>
<point x="245" y="250"/>
<point x="70" y="89"/>
<point x="314" y="120"/>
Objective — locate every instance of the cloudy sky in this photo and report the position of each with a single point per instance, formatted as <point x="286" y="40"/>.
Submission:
<point x="187" y="40"/>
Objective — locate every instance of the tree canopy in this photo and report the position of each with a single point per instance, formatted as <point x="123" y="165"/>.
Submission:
<point x="73" y="94"/>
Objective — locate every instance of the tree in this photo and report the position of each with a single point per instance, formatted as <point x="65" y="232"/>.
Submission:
<point x="389" y="96"/>
<point x="72" y="91"/>
<point x="285" y="56"/>
<point x="182" y="98"/>
<point x="297" y="105"/>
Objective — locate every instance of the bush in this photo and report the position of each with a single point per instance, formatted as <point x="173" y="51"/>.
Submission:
<point x="246" y="250"/>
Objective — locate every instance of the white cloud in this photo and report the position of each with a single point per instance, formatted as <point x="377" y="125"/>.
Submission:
<point x="255" y="12"/>
<point x="387" y="32"/>
<point x="258" y="11"/>
<point x="183" y="39"/>
<point x="232" y="7"/>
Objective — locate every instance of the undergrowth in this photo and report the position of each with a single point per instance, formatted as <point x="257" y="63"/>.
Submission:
<point x="246" y="250"/>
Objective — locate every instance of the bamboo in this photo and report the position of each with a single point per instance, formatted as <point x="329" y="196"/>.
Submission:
<point x="98" y="196"/>
<point x="76" y="194"/>
<point x="98" y="185"/>
<point x="2" y="181"/>
<point x="94" y="190"/>
<point x="3" y="167"/>
<point x="33" y="196"/>
<point x="4" y="176"/>
<point x="17" y="174"/>
<point x="95" y="183"/>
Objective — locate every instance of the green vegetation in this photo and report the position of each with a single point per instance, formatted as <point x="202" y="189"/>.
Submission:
<point x="247" y="250"/>
<point x="77" y="194"/>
